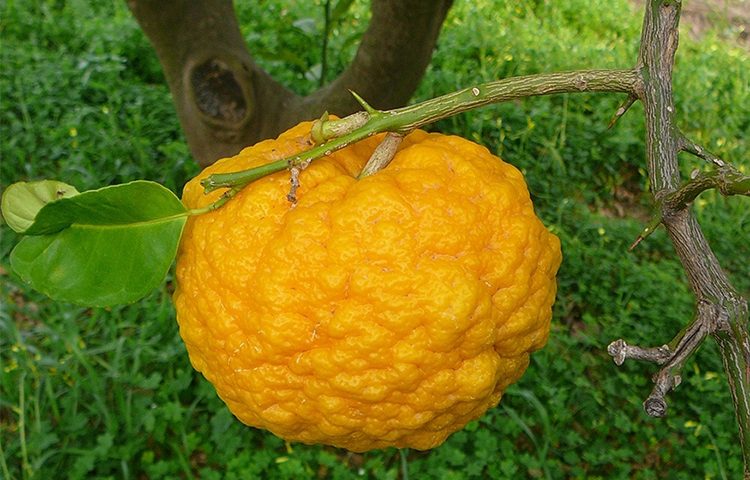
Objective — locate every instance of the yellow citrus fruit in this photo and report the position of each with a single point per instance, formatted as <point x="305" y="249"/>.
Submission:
<point x="386" y="311"/>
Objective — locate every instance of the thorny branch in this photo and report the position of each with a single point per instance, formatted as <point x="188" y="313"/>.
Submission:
<point x="724" y="177"/>
<point x="403" y="120"/>
<point x="687" y="145"/>
<point x="727" y="180"/>
<point x="720" y="311"/>
<point x="623" y="109"/>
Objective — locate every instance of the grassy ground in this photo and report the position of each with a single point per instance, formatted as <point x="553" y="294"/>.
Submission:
<point x="109" y="393"/>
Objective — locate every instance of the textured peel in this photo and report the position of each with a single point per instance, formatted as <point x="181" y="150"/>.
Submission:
<point x="388" y="311"/>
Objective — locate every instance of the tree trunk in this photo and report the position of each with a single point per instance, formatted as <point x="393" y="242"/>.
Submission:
<point x="225" y="101"/>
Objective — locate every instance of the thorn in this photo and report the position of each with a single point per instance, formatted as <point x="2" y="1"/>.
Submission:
<point x="693" y="148"/>
<point x="635" y="243"/>
<point x="647" y="230"/>
<point x="624" y="107"/>
<point x="362" y="102"/>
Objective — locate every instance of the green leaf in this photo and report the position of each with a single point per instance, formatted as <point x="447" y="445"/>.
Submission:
<point x="102" y="247"/>
<point x="125" y="204"/>
<point x="22" y="201"/>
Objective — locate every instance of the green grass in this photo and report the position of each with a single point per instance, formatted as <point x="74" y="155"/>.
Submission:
<point x="110" y="393"/>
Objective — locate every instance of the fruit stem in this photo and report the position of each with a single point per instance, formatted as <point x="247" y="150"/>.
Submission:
<point x="382" y="155"/>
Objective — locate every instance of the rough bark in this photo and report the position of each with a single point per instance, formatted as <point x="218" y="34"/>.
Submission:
<point x="225" y="101"/>
<point x="720" y="309"/>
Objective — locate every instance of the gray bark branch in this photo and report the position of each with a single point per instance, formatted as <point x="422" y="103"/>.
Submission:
<point x="721" y="311"/>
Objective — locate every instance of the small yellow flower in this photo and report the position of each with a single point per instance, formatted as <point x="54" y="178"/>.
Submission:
<point x="11" y="366"/>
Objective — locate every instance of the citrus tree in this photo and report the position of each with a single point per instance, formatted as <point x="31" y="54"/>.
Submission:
<point x="70" y="242"/>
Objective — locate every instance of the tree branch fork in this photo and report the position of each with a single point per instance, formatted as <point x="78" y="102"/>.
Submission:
<point x="710" y="319"/>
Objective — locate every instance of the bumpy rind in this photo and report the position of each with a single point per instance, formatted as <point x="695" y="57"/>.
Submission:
<point x="388" y="311"/>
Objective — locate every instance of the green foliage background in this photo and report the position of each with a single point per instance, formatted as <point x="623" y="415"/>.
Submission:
<point x="110" y="393"/>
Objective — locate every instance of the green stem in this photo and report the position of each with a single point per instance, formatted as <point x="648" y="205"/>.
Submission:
<point x="415" y="116"/>
<point x="404" y="454"/>
<point x="406" y="119"/>
<point x="228" y="195"/>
